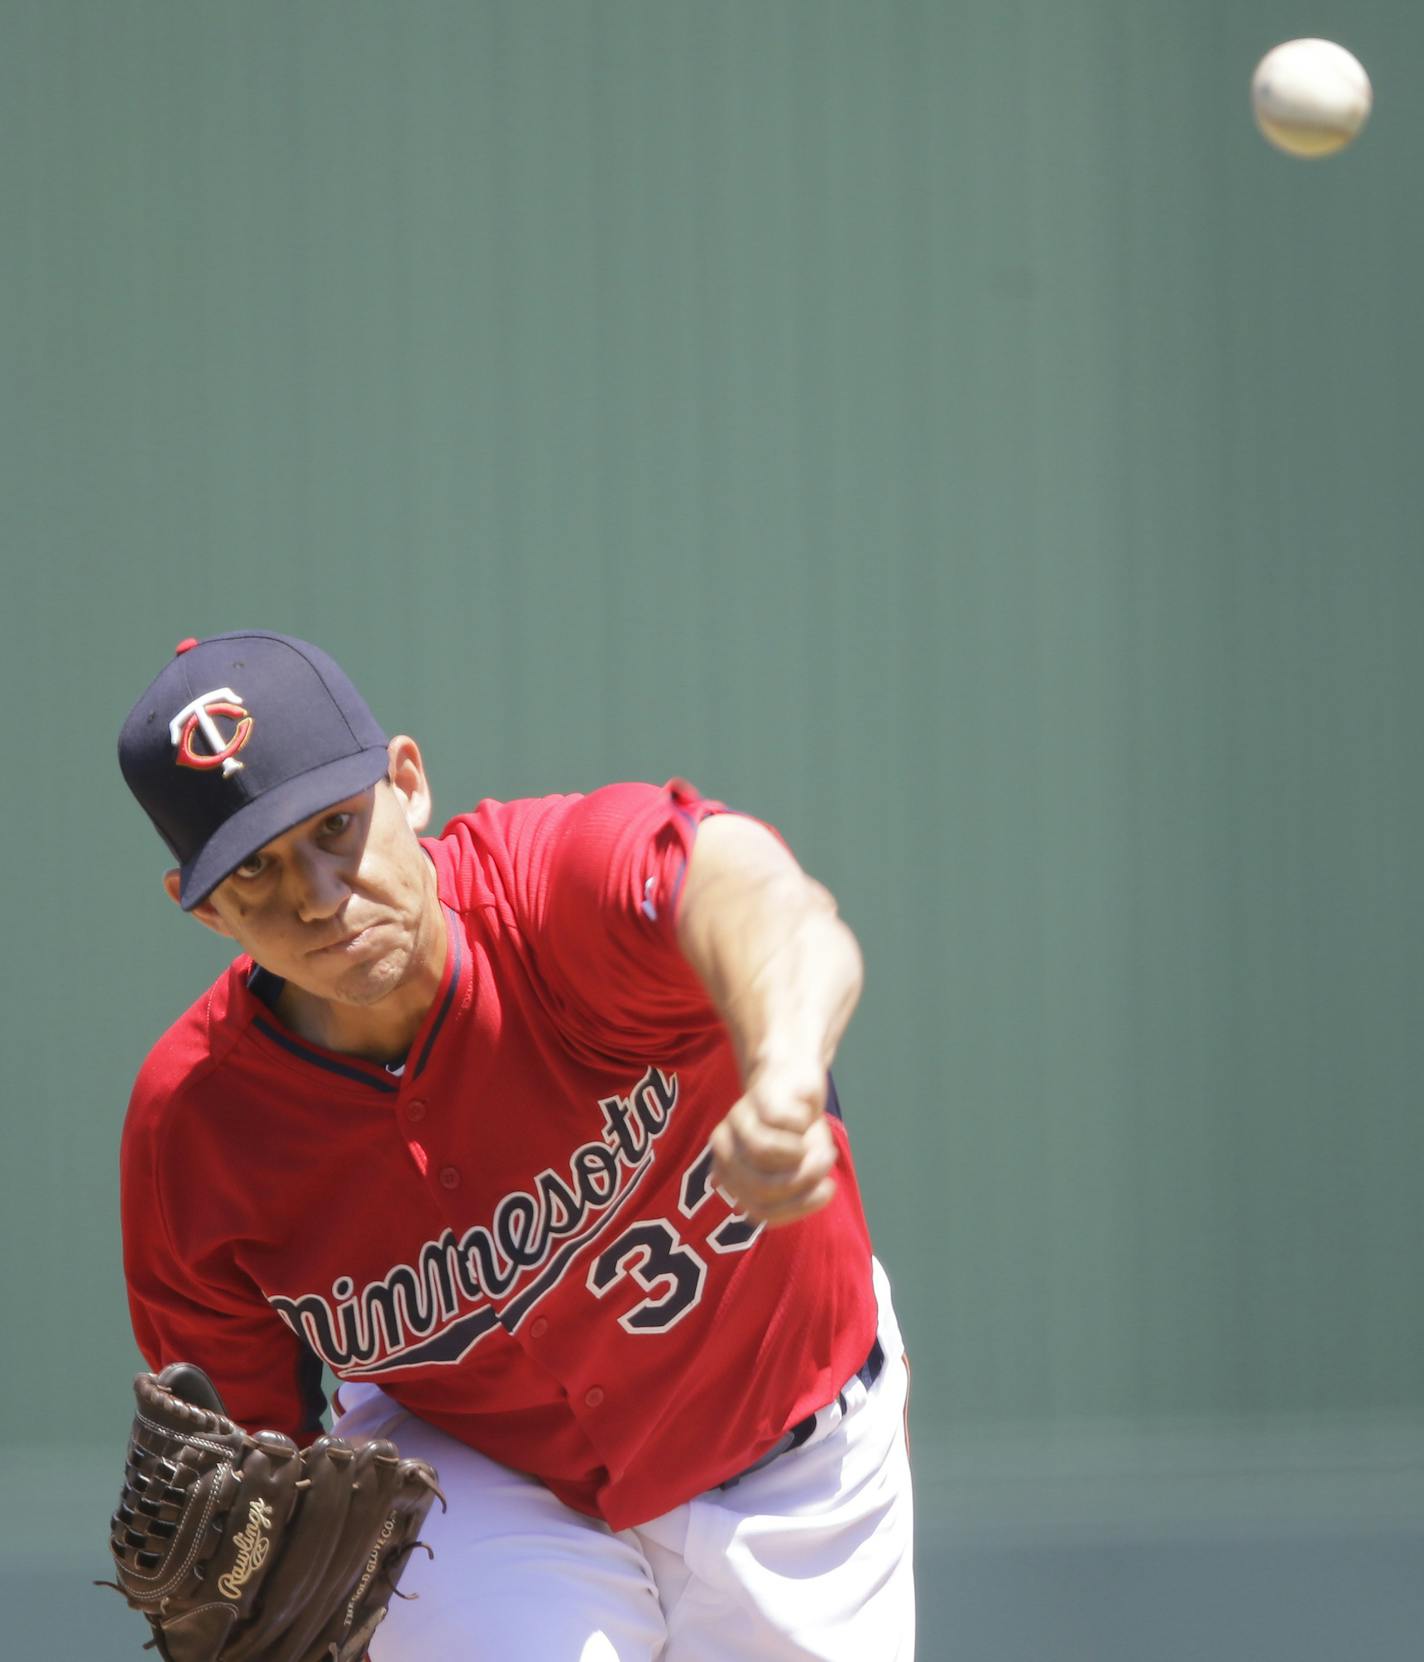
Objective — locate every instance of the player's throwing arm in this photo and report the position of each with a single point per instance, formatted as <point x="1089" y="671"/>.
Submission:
<point x="784" y="971"/>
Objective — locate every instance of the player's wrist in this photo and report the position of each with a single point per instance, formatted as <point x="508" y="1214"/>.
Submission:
<point x="789" y="1068"/>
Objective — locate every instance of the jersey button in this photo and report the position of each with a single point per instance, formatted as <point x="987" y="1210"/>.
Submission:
<point x="538" y="1329"/>
<point x="449" y="1177"/>
<point x="415" y="1112"/>
<point x="593" y="1397"/>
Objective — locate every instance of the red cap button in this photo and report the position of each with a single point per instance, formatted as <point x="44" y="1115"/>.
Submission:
<point x="185" y="646"/>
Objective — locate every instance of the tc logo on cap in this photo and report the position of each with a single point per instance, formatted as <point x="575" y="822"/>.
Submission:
<point x="199" y="717"/>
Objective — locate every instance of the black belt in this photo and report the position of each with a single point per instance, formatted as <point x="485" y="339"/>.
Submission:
<point x="867" y="1373"/>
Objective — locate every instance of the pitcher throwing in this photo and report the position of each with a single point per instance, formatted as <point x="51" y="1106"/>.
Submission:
<point x="526" y="1132"/>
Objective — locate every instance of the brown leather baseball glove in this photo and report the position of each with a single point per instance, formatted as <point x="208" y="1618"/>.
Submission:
<point x="238" y="1548"/>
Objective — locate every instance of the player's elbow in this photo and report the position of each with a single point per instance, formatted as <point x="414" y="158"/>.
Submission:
<point x="846" y="946"/>
<point x="837" y="943"/>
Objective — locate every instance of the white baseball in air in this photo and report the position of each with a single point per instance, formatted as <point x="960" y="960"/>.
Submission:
<point x="1311" y="97"/>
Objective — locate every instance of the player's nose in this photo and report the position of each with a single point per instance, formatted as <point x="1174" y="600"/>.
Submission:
<point x="322" y="884"/>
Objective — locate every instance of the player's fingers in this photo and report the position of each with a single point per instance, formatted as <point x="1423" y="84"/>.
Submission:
<point x="753" y="1192"/>
<point x="755" y="1167"/>
<point x="816" y="1160"/>
<point x="763" y="1191"/>
<point x="724" y="1148"/>
<point x="765" y="1147"/>
<point x="776" y="1204"/>
<point x="791" y="1211"/>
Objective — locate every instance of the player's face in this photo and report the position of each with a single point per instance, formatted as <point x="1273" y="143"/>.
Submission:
<point x="343" y="906"/>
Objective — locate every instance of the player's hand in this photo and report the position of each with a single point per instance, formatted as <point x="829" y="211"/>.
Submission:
<point x="774" y="1153"/>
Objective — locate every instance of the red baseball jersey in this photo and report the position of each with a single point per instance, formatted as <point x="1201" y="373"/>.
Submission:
<point x="516" y="1236"/>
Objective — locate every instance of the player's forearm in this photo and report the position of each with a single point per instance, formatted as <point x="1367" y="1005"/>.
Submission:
<point x="780" y="965"/>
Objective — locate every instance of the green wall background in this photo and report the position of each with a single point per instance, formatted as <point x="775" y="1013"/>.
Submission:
<point x="941" y="426"/>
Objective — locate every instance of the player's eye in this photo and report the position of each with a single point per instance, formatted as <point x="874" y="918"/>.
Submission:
<point x="253" y="866"/>
<point x="334" y="824"/>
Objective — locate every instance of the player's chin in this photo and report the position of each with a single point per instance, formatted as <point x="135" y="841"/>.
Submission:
<point x="370" y="980"/>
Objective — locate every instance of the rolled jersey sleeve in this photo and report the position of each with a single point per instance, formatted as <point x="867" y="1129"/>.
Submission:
<point x="603" y="917"/>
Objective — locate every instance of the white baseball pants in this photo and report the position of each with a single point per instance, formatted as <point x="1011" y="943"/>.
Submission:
<point x="806" y="1560"/>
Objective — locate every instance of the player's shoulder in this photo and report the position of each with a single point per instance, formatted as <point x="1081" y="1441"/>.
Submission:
<point x="531" y="820"/>
<point x="193" y="1047"/>
<point x="494" y="825"/>
<point x="479" y="854"/>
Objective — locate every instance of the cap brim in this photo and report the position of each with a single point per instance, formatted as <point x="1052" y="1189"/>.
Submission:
<point x="274" y="812"/>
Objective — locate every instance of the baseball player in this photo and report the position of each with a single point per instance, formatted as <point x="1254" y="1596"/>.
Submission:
<point x="526" y="1132"/>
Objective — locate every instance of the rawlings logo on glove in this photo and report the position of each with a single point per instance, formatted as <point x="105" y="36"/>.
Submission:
<point x="239" y="1548"/>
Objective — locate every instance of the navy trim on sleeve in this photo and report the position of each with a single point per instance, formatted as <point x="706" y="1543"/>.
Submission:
<point x="833" y="1102"/>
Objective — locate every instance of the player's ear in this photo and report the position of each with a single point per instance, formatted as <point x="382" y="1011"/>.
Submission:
<point x="407" y="777"/>
<point x="205" y="912"/>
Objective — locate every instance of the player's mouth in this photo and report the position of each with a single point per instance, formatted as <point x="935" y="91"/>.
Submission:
<point x="353" y="945"/>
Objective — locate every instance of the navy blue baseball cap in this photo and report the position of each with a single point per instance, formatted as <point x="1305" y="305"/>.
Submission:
<point x="239" y="738"/>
